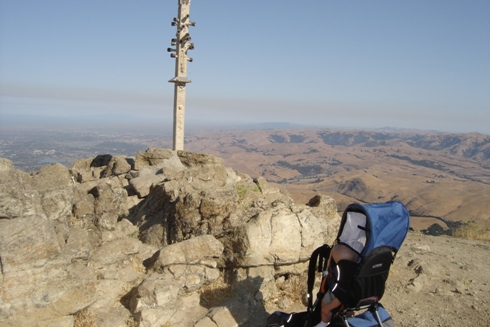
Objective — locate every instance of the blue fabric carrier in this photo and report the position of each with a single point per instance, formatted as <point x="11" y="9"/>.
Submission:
<point x="387" y="224"/>
<point x="368" y="318"/>
<point x="375" y="232"/>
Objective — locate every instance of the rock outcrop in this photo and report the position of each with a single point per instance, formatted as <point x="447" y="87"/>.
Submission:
<point x="165" y="238"/>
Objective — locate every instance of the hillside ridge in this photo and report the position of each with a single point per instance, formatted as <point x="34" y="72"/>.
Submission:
<point x="443" y="175"/>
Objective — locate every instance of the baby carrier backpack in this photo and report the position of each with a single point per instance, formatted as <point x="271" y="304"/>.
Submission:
<point x="375" y="232"/>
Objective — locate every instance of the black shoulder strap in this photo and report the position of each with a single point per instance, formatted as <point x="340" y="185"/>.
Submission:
<point x="318" y="262"/>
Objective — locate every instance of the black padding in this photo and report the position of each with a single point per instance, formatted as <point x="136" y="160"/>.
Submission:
<point x="377" y="262"/>
<point x="318" y="262"/>
<point x="358" y="281"/>
<point x="340" y="280"/>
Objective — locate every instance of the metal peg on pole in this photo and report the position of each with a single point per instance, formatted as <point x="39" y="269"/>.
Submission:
<point x="182" y="45"/>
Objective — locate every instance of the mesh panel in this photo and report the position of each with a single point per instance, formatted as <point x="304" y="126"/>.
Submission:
<point x="354" y="231"/>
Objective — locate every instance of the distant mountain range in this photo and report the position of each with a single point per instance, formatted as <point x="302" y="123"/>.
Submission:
<point x="472" y="145"/>
<point x="438" y="175"/>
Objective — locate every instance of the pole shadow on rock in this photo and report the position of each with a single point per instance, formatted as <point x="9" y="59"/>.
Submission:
<point x="235" y="301"/>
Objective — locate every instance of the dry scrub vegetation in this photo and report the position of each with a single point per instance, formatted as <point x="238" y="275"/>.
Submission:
<point x="294" y="287"/>
<point x="216" y="292"/>
<point x="474" y="230"/>
<point x="85" y="318"/>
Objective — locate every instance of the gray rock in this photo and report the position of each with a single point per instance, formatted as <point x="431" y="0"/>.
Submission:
<point x="114" y="252"/>
<point x="117" y="166"/>
<point x="6" y="165"/>
<point x="78" y="245"/>
<point x="17" y="197"/>
<point x="83" y="208"/>
<point x="109" y="199"/>
<point x="152" y="157"/>
<point x="112" y="317"/>
<point x="262" y="240"/>
<point x="189" y="310"/>
<point x="26" y="240"/>
<point x="153" y="301"/>
<point x="205" y="322"/>
<point x="323" y="206"/>
<point x="197" y="250"/>
<point x="55" y="176"/>
<point x="82" y="170"/>
<point x="142" y="185"/>
<point x="55" y="289"/>
<point x="205" y="227"/>
<point x="193" y="159"/>
<point x="192" y="263"/>
<point x="223" y="317"/>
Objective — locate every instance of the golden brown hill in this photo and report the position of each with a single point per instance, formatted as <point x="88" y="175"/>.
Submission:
<point x="435" y="174"/>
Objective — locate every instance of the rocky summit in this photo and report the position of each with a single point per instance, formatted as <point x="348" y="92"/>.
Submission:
<point x="175" y="238"/>
<point x="165" y="238"/>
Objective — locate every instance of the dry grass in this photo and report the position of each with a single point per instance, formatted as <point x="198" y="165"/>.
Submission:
<point x="85" y="318"/>
<point x="474" y="230"/>
<point x="216" y="292"/>
<point x="294" y="287"/>
<point x="131" y="322"/>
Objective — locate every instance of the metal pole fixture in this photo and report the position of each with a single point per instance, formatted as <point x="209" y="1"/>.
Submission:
<point x="182" y="44"/>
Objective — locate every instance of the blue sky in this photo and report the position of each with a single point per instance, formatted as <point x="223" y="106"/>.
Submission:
<point x="364" y="64"/>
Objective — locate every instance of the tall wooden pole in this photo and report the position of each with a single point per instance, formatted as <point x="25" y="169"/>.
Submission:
<point x="182" y="44"/>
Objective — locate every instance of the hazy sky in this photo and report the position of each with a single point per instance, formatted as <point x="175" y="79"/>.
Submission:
<point x="421" y="64"/>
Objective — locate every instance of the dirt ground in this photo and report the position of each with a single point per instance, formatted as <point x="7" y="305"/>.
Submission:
<point x="440" y="281"/>
<point x="437" y="281"/>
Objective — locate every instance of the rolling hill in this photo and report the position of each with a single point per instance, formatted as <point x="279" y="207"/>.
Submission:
<point x="438" y="176"/>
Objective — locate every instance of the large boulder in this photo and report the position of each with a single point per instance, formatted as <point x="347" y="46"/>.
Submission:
<point x="39" y="282"/>
<point x="154" y="301"/>
<point x="118" y="165"/>
<point x="17" y="197"/>
<point x="324" y="206"/>
<point x="6" y="165"/>
<point x="163" y="159"/>
<point x="83" y="171"/>
<point x="276" y="237"/>
<point x="192" y="202"/>
<point x="192" y="263"/>
<point x="176" y="271"/>
<point x="55" y="186"/>
<point x="100" y="204"/>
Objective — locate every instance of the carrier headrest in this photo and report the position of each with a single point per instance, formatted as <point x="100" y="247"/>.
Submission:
<point x="354" y="231"/>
